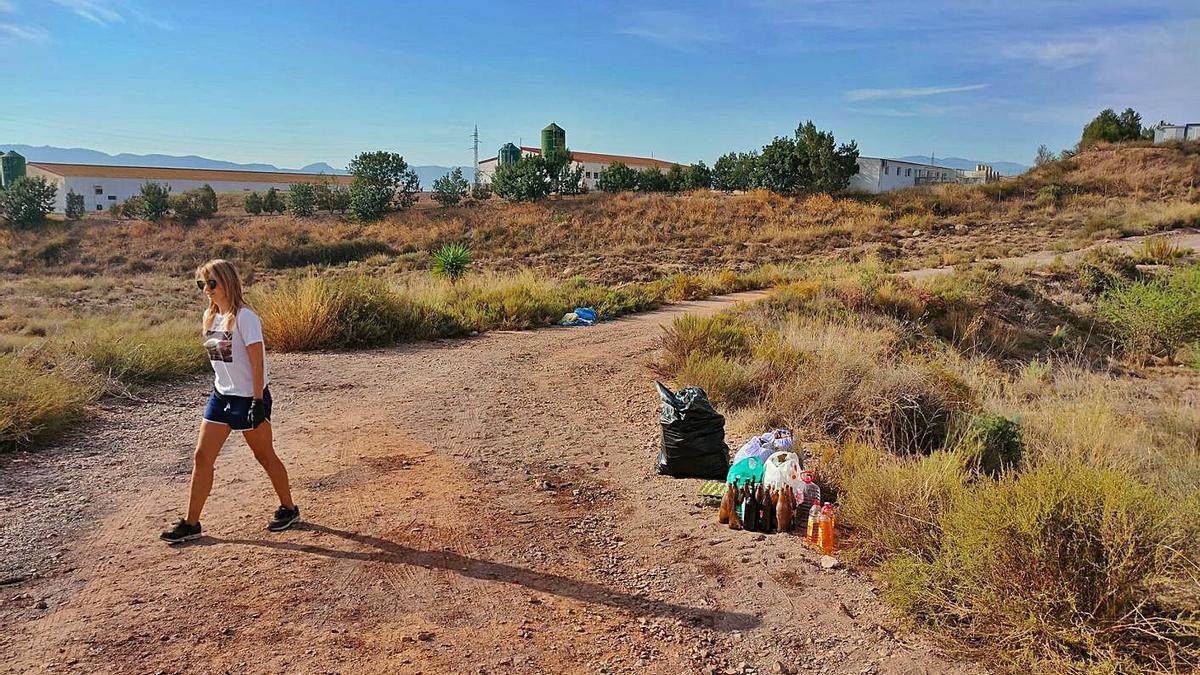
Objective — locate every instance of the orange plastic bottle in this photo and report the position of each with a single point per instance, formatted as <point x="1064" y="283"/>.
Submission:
<point x="814" y="515"/>
<point x="826" y="525"/>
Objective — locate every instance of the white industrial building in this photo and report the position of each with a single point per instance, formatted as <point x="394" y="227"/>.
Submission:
<point x="103" y="186"/>
<point x="592" y="162"/>
<point x="1176" y="132"/>
<point x="876" y="174"/>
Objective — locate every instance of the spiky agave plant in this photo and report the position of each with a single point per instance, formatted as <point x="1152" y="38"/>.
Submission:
<point x="451" y="261"/>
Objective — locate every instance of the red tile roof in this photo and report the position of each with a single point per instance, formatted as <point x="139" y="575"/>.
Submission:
<point x="599" y="158"/>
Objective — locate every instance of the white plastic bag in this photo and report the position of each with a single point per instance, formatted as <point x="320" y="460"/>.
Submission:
<point x="783" y="469"/>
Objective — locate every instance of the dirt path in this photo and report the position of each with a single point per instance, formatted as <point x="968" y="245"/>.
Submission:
<point x="1187" y="237"/>
<point x="473" y="506"/>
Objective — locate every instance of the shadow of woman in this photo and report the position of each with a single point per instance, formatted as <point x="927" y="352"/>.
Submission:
<point x="389" y="552"/>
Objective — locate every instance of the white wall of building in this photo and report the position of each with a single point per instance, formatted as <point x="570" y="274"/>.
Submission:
<point x="1177" y="132"/>
<point x="99" y="193"/>
<point x="883" y="175"/>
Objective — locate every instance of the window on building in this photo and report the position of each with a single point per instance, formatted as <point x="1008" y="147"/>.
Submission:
<point x="885" y="171"/>
<point x="99" y="190"/>
<point x="112" y="198"/>
<point x="99" y="207"/>
<point x="908" y="172"/>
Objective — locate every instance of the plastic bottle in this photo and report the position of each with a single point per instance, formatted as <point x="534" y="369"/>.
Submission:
<point x="814" y="513"/>
<point x="826" y="525"/>
<point x="812" y="491"/>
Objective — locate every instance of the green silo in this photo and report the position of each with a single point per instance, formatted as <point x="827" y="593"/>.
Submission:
<point x="509" y="154"/>
<point x="554" y="137"/>
<point x="12" y="167"/>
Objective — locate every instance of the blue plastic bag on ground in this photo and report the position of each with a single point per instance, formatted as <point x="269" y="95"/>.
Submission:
<point x="582" y="316"/>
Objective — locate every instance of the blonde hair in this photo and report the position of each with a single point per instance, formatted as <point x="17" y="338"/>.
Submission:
<point x="228" y="278"/>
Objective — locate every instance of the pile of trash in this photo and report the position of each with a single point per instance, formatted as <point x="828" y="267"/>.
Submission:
<point x="767" y="489"/>
<point x="775" y="493"/>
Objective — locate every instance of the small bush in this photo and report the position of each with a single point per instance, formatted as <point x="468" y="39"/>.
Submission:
<point x="154" y="201"/>
<point x="301" y="200"/>
<point x="253" y="204"/>
<point x="1155" y="317"/>
<point x="297" y="315"/>
<point x="1159" y="250"/>
<point x="1063" y="565"/>
<point x="39" y="398"/>
<point x="992" y="444"/>
<point x="451" y="261"/>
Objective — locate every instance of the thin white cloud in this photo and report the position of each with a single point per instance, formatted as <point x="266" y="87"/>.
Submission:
<point x="919" y="111"/>
<point x="96" y="11"/>
<point x="109" y="12"/>
<point x="674" y="30"/>
<point x="1060" y="54"/>
<point x="6" y="6"/>
<point x="9" y="31"/>
<point x="907" y="92"/>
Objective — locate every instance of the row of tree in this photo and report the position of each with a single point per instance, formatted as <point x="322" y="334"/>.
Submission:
<point x="301" y="200"/>
<point x="1106" y="127"/>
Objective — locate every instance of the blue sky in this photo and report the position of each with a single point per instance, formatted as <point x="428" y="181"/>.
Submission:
<point x="295" y="82"/>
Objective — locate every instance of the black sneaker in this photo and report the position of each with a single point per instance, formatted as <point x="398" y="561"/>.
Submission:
<point x="284" y="518"/>
<point x="181" y="533"/>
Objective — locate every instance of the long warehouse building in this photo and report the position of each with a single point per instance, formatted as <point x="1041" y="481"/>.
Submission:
<point x="103" y="186"/>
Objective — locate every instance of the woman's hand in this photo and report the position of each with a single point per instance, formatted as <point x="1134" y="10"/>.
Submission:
<point x="257" y="414"/>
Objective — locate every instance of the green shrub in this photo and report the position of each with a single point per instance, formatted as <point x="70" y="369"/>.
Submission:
<point x="370" y="314"/>
<point x="253" y="204"/>
<point x="721" y="335"/>
<point x="27" y="200"/>
<point x="992" y="444"/>
<point x="301" y="200"/>
<point x="1059" y="565"/>
<point x="40" y="398"/>
<point x="451" y="261"/>
<point x="154" y="201"/>
<point x="1155" y="317"/>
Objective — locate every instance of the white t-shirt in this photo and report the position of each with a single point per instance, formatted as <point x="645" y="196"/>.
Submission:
<point x="227" y="353"/>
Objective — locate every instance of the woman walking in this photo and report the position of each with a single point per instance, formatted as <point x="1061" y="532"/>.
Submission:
<point x="240" y="400"/>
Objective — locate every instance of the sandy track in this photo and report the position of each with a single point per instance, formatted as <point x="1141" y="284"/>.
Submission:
<point x="478" y="506"/>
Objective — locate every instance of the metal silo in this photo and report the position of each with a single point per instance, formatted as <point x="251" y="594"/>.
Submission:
<point x="12" y="167"/>
<point x="554" y="137"/>
<point x="509" y="154"/>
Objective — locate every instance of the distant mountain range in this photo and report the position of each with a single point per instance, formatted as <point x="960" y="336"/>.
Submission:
<point x="49" y="153"/>
<point x="1003" y="168"/>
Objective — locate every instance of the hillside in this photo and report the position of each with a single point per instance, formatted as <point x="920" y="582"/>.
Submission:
<point x="1104" y="193"/>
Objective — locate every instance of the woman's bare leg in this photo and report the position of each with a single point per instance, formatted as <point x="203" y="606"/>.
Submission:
<point x="208" y="446"/>
<point x="262" y="443"/>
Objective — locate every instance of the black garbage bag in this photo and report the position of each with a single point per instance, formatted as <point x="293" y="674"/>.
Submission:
<point x="693" y="436"/>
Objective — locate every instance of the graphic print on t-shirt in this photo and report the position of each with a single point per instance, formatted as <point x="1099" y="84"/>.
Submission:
<point x="219" y="345"/>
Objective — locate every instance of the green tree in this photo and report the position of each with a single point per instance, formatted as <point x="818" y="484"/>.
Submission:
<point x="27" y="200"/>
<point x="565" y="177"/>
<point x="697" y="177"/>
<point x="75" y="206"/>
<point x="273" y="202"/>
<point x="208" y="201"/>
<point x="302" y="199"/>
<point x="1130" y="124"/>
<point x="735" y="171"/>
<point x="339" y="199"/>
<point x="617" y="177"/>
<point x="381" y="179"/>
<point x="676" y="179"/>
<point x="651" y="179"/>
<point x="450" y="189"/>
<point x="191" y="206"/>
<point x="1109" y="127"/>
<point x="481" y="192"/>
<point x="779" y="167"/>
<point x="824" y="167"/>
<point x="1044" y="156"/>
<point x="524" y="180"/>
<point x="155" y="201"/>
<point x="253" y="204"/>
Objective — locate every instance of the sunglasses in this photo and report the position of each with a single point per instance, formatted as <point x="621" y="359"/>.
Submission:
<point x="212" y="283"/>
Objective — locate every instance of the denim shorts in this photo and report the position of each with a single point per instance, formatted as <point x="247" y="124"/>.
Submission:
<point x="233" y="410"/>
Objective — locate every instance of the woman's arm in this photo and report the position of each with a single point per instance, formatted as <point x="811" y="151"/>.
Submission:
<point x="255" y="352"/>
